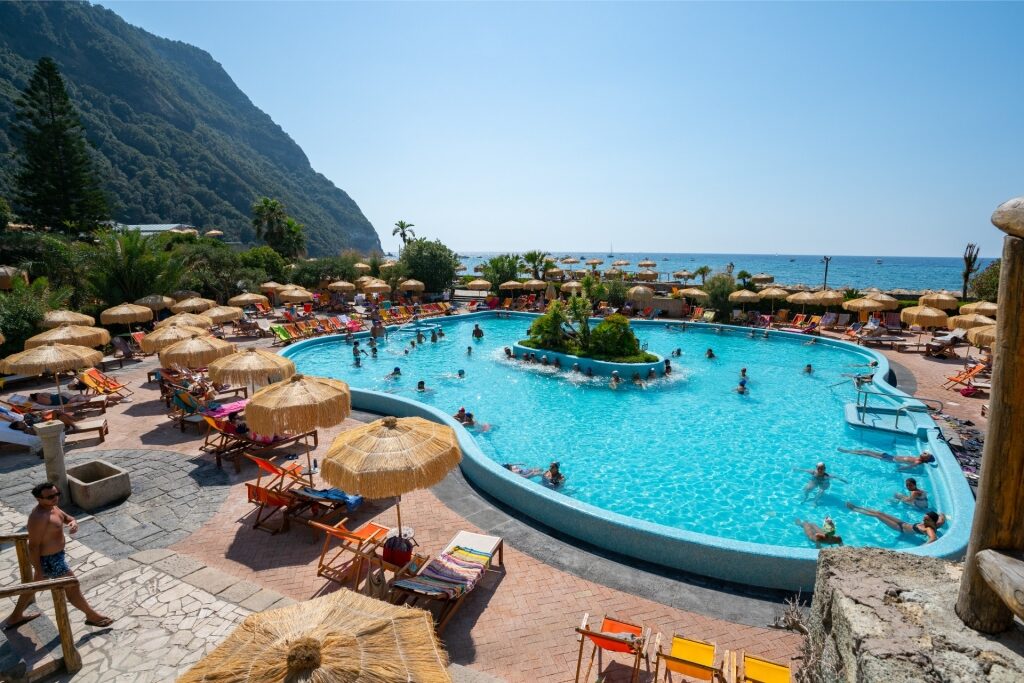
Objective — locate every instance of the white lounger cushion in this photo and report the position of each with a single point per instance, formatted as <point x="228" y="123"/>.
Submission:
<point x="481" y="542"/>
<point x="19" y="438"/>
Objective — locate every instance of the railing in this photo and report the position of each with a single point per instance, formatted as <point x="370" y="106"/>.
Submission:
<point x="865" y="393"/>
<point x="57" y="588"/>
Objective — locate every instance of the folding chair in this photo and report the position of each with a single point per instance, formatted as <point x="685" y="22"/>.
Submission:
<point x="102" y="384"/>
<point x="271" y="502"/>
<point x="360" y="543"/>
<point x="755" y="670"/>
<point x="691" y="658"/>
<point x="612" y="636"/>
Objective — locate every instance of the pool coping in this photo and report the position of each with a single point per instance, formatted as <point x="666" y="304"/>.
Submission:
<point x="740" y="562"/>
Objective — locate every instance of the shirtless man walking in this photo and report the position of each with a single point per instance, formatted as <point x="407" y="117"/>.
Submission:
<point x="46" y="553"/>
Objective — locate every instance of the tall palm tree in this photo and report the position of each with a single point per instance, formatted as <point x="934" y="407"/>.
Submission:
<point x="404" y="231"/>
<point x="536" y="260"/>
<point x="268" y="220"/>
<point x="744" y="278"/>
<point x="970" y="265"/>
<point x="703" y="271"/>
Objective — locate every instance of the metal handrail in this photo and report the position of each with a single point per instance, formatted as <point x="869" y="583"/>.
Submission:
<point x="890" y="396"/>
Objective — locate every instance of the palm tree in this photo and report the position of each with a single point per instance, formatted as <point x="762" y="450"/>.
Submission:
<point x="703" y="271"/>
<point x="268" y="220"/>
<point x="405" y="233"/>
<point x="536" y="261"/>
<point x="970" y="265"/>
<point x="744" y="277"/>
<point x="125" y="266"/>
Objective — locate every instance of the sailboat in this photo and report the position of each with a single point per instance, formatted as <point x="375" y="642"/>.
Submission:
<point x="611" y="250"/>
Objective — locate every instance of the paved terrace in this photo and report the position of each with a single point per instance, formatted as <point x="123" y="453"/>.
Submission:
<point x="184" y="540"/>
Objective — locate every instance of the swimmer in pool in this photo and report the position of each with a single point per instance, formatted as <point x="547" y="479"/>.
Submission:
<point x="554" y="475"/>
<point x="928" y="526"/>
<point x="826" y="533"/>
<point x="808" y="369"/>
<point x="395" y="374"/>
<point x="914" y="496"/>
<point x="668" y="367"/>
<point x="910" y="461"/>
<point x="469" y="350"/>
<point x="615" y="381"/>
<point x="710" y="354"/>
<point x="820" y="479"/>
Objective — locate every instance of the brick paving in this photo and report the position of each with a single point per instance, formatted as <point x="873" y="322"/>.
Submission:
<point x="517" y="624"/>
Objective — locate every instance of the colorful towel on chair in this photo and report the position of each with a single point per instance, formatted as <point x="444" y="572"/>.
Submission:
<point x="225" y="409"/>
<point x="449" y="575"/>
<point x="352" y="502"/>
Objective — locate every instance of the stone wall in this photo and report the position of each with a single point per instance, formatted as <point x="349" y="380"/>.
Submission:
<point x="886" y="617"/>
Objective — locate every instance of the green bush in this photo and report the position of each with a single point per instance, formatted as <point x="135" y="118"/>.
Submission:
<point x="985" y="284"/>
<point x="613" y="338"/>
<point x="616" y="293"/>
<point x="547" y="331"/>
<point x="264" y="258"/>
<point x="22" y="309"/>
<point x="432" y="263"/>
<point x="718" y="288"/>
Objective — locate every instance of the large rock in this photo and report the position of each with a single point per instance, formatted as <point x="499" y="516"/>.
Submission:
<point x="888" y="617"/>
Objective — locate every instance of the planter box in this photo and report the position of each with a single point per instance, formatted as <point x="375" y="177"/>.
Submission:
<point x="598" y="367"/>
<point x="97" y="483"/>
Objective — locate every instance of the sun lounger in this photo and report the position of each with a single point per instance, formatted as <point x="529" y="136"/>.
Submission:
<point x="101" y="384"/>
<point x="708" y="316"/>
<point x="694" y="659"/>
<point x="224" y="445"/>
<point x="782" y="316"/>
<point x="891" y="321"/>
<point x="890" y="339"/>
<point x="612" y="635"/>
<point x="965" y="377"/>
<point x="334" y="563"/>
<point x="698" y="311"/>
<point x="19" y="438"/>
<point x="828" y="321"/>
<point x="452" y="575"/>
<point x="842" y="321"/>
<point x="77" y="404"/>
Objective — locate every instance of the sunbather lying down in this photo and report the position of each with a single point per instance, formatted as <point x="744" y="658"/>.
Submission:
<point x="551" y="476"/>
<point x="820" y="534"/>
<point x="928" y="526"/>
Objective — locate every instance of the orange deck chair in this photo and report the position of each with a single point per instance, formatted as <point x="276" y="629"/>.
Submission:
<point x="360" y="543"/>
<point x="963" y="377"/>
<point x="103" y="384"/>
<point x="612" y="636"/>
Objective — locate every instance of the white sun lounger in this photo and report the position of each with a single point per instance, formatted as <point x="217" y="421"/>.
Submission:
<point x="19" y="438"/>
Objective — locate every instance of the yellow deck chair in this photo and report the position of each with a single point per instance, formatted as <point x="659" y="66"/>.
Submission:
<point x="694" y="659"/>
<point x="757" y="670"/>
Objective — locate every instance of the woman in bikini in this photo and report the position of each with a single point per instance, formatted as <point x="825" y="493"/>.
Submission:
<point x="928" y="526"/>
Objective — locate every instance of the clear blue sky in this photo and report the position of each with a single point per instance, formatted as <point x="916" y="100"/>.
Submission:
<point x="753" y="128"/>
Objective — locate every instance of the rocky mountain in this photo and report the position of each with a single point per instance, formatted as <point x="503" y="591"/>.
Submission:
<point x="174" y="139"/>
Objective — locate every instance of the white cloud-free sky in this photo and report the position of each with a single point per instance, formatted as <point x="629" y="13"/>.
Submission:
<point x="870" y="128"/>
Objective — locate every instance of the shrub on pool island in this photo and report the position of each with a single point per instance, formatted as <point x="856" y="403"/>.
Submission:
<point x="611" y="340"/>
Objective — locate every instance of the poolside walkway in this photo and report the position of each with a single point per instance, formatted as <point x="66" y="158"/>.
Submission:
<point x="517" y="625"/>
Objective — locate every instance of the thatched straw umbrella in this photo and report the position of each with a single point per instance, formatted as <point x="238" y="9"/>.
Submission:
<point x="983" y="307"/>
<point x="363" y="267"/>
<point x="510" y="285"/>
<point x="223" y="314"/>
<point x="534" y="285"/>
<point x="388" y="264"/>
<point x="682" y="275"/>
<point x="762" y="279"/>
<point x="194" y="304"/>
<point x="572" y="287"/>
<point x="744" y="297"/>
<point x="613" y="273"/>
<point x="271" y="286"/>
<point x="190" y="319"/>
<point x="341" y="286"/>
<point x="925" y="316"/>
<point x="377" y="287"/>
<point x="772" y="294"/>
<point x="620" y="262"/>
<point x="155" y="302"/>
<point x="301" y="404"/>
<point x="478" y="268"/>
<point x="647" y="275"/>
<point x="946" y="302"/>
<point x="828" y="297"/>
<point x="646" y="263"/>
<point x="252" y="368"/>
<point x="890" y="303"/>
<point x="247" y="299"/>
<point x="75" y="335"/>
<point x="391" y="456"/>
<point x="640" y="295"/>
<point x="213" y="233"/>
<point x="554" y="273"/>
<point x="802" y="298"/>
<point x="342" y="637"/>
<point x="969" y="321"/>
<point x="51" y="359"/>
<point x="168" y="335"/>
<point x="594" y="263"/>
<point x="195" y="352"/>
<point x="182" y="294"/>
<point x="412" y="286"/>
<point x="293" y="295"/>
<point x="982" y="336"/>
<point x="863" y="304"/>
<point x="479" y="285"/>
<point x="8" y="274"/>
<point x="126" y="314"/>
<point x="58" y="318"/>
<point x="693" y="293"/>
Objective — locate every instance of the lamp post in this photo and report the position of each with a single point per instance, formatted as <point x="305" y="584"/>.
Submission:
<point x="826" y="259"/>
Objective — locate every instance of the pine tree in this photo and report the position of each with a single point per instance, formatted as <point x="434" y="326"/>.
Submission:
<point x="56" y="185"/>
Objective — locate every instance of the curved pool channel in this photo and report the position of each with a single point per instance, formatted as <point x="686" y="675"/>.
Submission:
<point x="681" y="471"/>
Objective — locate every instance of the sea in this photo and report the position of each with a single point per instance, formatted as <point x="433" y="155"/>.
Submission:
<point x="887" y="273"/>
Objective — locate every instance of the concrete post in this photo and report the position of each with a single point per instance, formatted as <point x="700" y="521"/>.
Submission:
<point x="51" y="433"/>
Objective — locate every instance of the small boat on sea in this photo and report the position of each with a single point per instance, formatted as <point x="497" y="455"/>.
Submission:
<point x="878" y="260"/>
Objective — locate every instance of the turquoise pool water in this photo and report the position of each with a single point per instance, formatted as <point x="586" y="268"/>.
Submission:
<point x="687" y="451"/>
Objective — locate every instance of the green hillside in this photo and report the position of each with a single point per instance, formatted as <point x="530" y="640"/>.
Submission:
<point x="175" y="140"/>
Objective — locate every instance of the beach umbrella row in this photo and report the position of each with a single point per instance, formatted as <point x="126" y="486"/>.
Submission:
<point x="190" y="319"/>
<point x="162" y="337"/>
<point x="77" y="335"/>
<point x="63" y="317"/>
<point x="983" y="307"/>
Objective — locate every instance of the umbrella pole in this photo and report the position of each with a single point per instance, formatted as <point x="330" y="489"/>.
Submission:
<point x="398" y="509"/>
<point x="60" y="397"/>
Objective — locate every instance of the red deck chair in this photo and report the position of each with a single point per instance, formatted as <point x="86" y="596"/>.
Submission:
<point x="612" y="636"/>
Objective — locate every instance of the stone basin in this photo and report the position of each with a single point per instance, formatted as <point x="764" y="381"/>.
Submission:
<point x="96" y="483"/>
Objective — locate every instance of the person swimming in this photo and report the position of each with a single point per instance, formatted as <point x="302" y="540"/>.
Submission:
<point x="677" y="353"/>
<point x="637" y="380"/>
<point x="910" y="461"/>
<point x="808" y="369"/>
<point x="433" y="336"/>
<point x="461" y="374"/>
<point x="420" y="337"/>
<point x="820" y="479"/>
<point x="914" y="496"/>
<point x="826" y="533"/>
<point x="710" y="354"/>
<point x="554" y="475"/>
<point x="928" y="526"/>
<point x="421" y="386"/>
<point x="615" y="381"/>
<point x="478" y="332"/>
<point x="460" y="416"/>
<point x="668" y="367"/>
<point x="396" y="373"/>
<point x="651" y="375"/>
<point x="743" y="375"/>
<point x="741" y="388"/>
<point x="469" y="350"/>
<point x="508" y="352"/>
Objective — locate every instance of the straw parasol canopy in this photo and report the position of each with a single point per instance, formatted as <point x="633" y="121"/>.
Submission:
<point x="925" y="316"/>
<point x="554" y="272"/>
<point x="294" y="295"/>
<point x="182" y="294"/>
<point x="460" y="268"/>
<point x="391" y="456"/>
<point x="620" y="262"/>
<point x="890" y="303"/>
<point x="983" y="307"/>
<point x="478" y="268"/>
<point x="223" y="314"/>
<point x="534" y="285"/>
<point x="594" y="261"/>
<point x="193" y="304"/>
<point x="682" y="275"/>
<point x="337" y="638"/>
<point x="762" y="279"/>
<point x="388" y="264"/>
<point x="341" y="286"/>
<point x="647" y="275"/>
<point x="58" y="318"/>
<point x="969" y="321"/>
<point x="828" y="297"/>
<point x="67" y="333"/>
<point x="155" y="302"/>
<point x="195" y="352"/>
<point x="946" y="302"/>
<point x="190" y="319"/>
<point x="51" y="359"/>
<point x="982" y="336"/>
<point x="640" y="295"/>
<point x="377" y="287"/>
<point x="363" y="280"/>
<point x="510" y="284"/>
<point x="271" y="286"/>
<point x="163" y="337"/>
<point x="362" y="267"/>
<point x="252" y="367"/>
<point x="570" y="260"/>
<point x="647" y="263"/>
<point x="301" y="404"/>
<point x="572" y="287"/>
<point x="863" y="304"/>
<point x="412" y="286"/>
<point x="744" y="296"/>
<point x="8" y="274"/>
<point x="479" y="285"/>
<point x="801" y="298"/>
<point x="126" y="314"/>
<point x="693" y="293"/>
<point x="613" y="273"/>
<point x="773" y="293"/>
<point x="247" y="299"/>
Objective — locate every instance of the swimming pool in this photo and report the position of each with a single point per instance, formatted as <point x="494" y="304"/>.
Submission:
<point x="681" y="457"/>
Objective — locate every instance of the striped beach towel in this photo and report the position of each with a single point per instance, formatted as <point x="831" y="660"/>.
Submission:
<point x="449" y="575"/>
